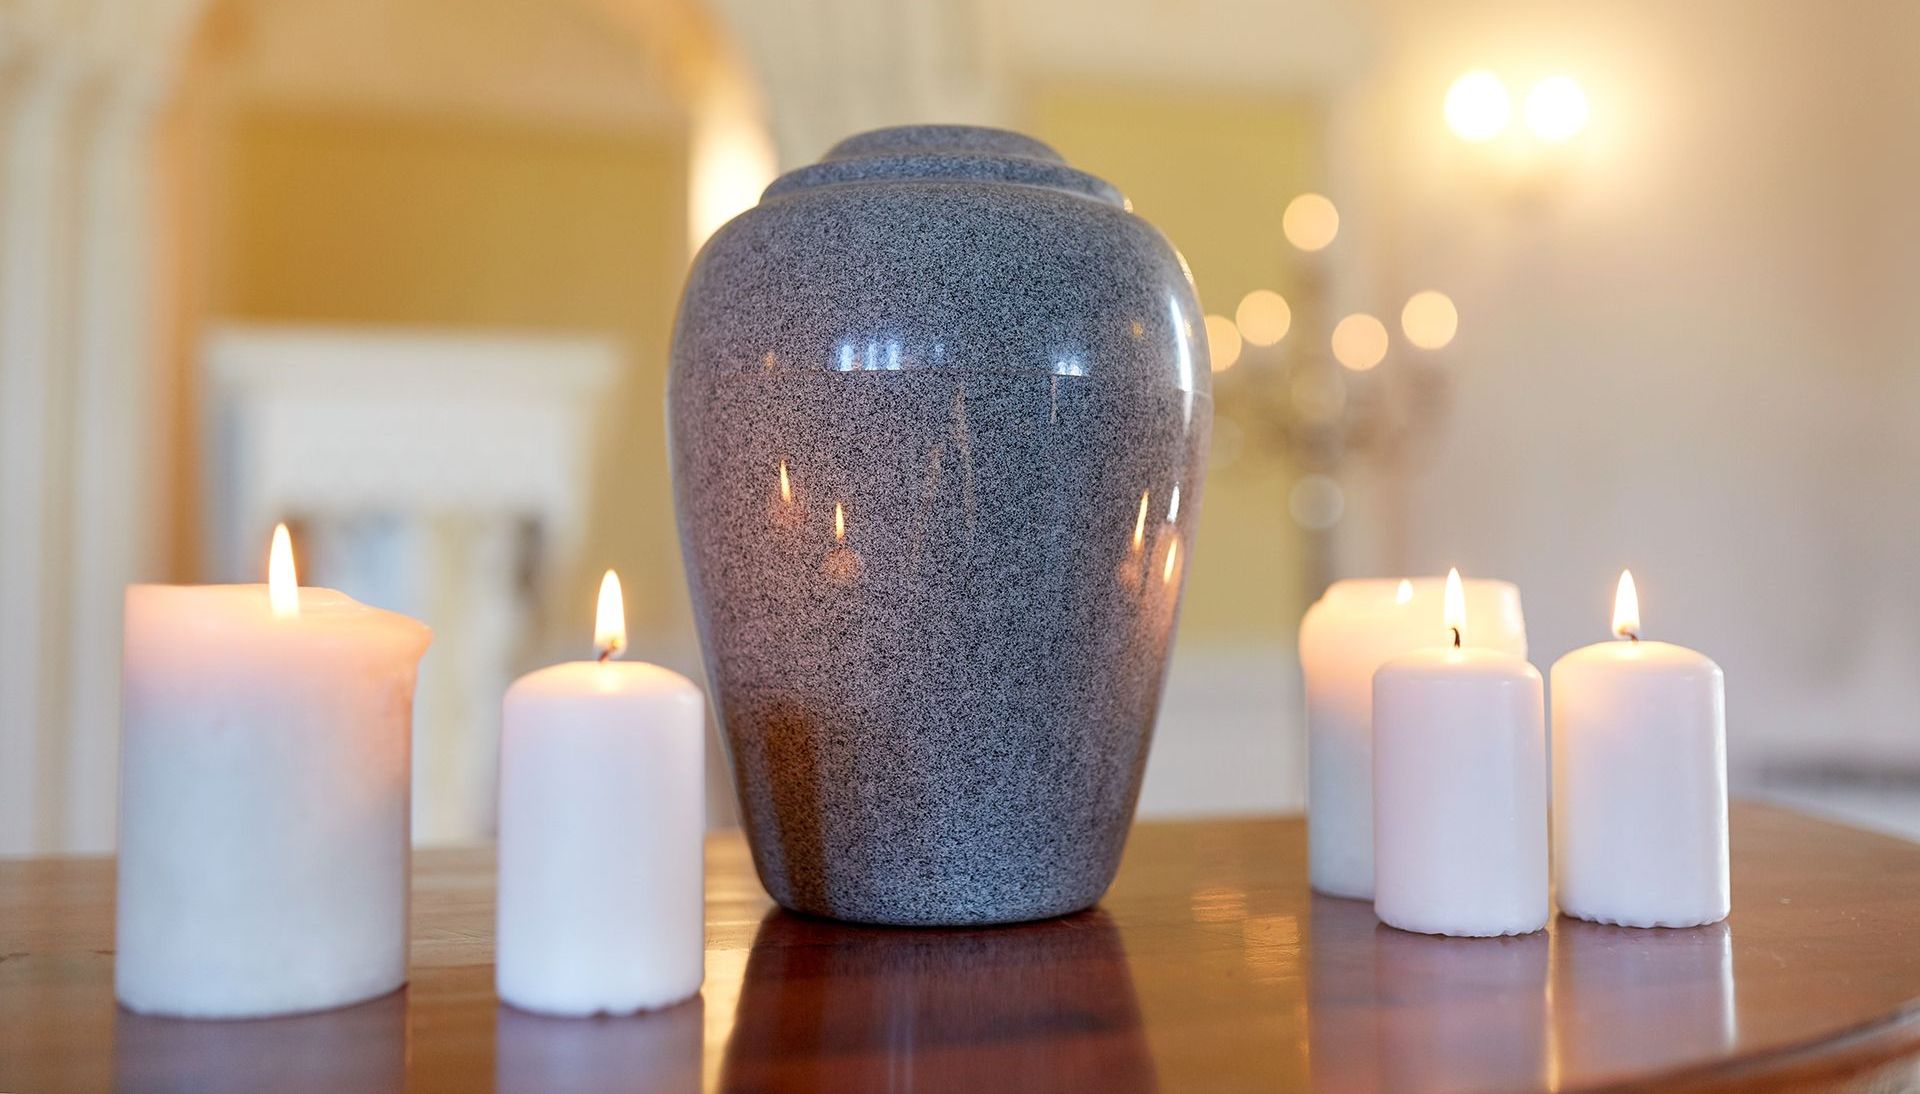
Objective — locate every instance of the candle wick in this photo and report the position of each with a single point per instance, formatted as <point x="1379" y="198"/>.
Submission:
<point x="1456" y="637"/>
<point x="605" y="652"/>
<point x="1633" y="636"/>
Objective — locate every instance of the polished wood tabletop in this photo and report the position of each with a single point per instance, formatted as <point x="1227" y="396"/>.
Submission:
<point x="1208" y="967"/>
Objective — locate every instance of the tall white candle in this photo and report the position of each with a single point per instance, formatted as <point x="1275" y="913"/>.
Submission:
<point x="264" y="854"/>
<point x="1640" y="780"/>
<point x="1348" y="633"/>
<point x="602" y="817"/>
<point x="1460" y="789"/>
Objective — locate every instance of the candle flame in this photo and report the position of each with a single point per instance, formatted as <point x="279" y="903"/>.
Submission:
<point x="1456" y="608"/>
<point x="1140" y="522"/>
<point x="1626" y="608"/>
<point x="839" y="522"/>
<point x="283" y="585"/>
<point x="786" y="487"/>
<point x="1173" y="552"/>
<point x="610" y="621"/>
<point x="1404" y="593"/>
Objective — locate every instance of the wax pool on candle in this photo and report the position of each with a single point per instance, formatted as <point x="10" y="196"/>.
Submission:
<point x="602" y="814"/>
<point x="1346" y="635"/>
<point x="1640" y="780"/>
<point x="264" y="852"/>
<point x="1459" y="790"/>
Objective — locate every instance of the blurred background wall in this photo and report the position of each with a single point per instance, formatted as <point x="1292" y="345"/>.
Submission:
<point x="1687" y="347"/>
<point x="1684" y="344"/>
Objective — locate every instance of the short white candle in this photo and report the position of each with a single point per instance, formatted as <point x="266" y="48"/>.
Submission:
<point x="602" y="817"/>
<point x="1460" y="789"/>
<point x="1640" y="780"/>
<point x="264" y="854"/>
<point x="1348" y="633"/>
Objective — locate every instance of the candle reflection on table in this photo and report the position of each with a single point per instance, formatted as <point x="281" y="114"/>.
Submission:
<point x="1391" y="1010"/>
<point x="837" y="1006"/>
<point x="1635" y="1000"/>
<point x="656" y="1052"/>
<point x="1472" y="1009"/>
<point x="360" y="1048"/>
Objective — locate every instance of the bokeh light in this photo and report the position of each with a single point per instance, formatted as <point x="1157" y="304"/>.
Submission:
<point x="1477" y="106"/>
<point x="1316" y="502"/>
<point x="1223" y="342"/>
<point x="1360" y="341"/>
<point x="1310" y="222"/>
<point x="1429" y="320"/>
<point x="1263" y="317"/>
<point x="1556" y="109"/>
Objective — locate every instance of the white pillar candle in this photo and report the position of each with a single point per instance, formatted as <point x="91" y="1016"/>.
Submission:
<point x="1640" y="780"/>
<point x="264" y="854"/>
<point x="1460" y="789"/>
<point x="1348" y="633"/>
<point x="602" y="818"/>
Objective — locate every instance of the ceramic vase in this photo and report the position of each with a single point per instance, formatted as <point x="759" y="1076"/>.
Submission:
<point x="939" y="409"/>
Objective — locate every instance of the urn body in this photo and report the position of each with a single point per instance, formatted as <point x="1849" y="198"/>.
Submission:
<point x="939" y="409"/>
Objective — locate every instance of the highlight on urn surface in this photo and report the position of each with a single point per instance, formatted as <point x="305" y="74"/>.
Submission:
<point x="915" y="426"/>
<point x="602" y="816"/>
<point x="264" y="853"/>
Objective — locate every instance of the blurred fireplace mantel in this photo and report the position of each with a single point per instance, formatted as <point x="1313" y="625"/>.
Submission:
<point x="444" y="474"/>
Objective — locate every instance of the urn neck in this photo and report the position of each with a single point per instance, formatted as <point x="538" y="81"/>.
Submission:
<point x="949" y="153"/>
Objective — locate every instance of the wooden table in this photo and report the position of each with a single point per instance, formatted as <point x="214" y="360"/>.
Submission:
<point x="1208" y="967"/>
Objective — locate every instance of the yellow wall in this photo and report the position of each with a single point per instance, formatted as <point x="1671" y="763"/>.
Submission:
<point x="342" y="219"/>
<point x="1213" y="172"/>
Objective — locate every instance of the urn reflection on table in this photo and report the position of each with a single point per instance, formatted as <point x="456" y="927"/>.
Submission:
<point x="939" y="422"/>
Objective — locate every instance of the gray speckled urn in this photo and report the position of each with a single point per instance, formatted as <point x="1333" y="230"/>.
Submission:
<point x="939" y="411"/>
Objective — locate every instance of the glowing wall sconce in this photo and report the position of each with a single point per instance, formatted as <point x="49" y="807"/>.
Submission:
<point x="1478" y="108"/>
<point x="1556" y="109"/>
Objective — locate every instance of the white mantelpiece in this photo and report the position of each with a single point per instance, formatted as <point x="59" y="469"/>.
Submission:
<point x="443" y="474"/>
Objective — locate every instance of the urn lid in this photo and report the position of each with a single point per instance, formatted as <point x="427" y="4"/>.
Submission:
<point x="958" y="153"/>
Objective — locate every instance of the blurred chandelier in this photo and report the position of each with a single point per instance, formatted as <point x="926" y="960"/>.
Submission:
<point x="1327" y="392"/>
<point x="1325" y="397"/>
